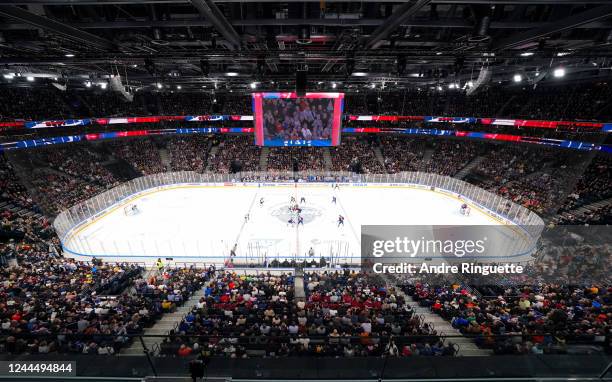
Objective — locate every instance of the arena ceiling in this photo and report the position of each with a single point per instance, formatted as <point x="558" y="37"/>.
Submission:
<point x="238" y="45"/>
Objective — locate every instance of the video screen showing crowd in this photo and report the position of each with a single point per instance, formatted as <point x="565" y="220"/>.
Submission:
<point x="298" y="119"/>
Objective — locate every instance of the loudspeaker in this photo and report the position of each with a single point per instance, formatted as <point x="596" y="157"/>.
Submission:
<point x="300" y="83"/>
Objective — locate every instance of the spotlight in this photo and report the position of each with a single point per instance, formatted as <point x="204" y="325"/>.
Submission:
<point x="87" y="84"/>
<point x="439" y="88"/>
<point x="253" y="85"/>
<point x="559" y="72"/>
<point x="334" y="85"/>
<point x="470" y="84"/>
<point x="9" y="76"/>
<point x="69" y="55"/>
<point x="103" y="85"/>
<point x="231" y="74"/>
<point x="517" y="78"/>
<point x="451" y="86"/>
<point x="159" y="85"/>
<point x="527" y="54"/>
<point x="360" y="74"/>
<point x="30" y="78"/>
<point x="179" y="87"/>
<point x="373" y="85"/>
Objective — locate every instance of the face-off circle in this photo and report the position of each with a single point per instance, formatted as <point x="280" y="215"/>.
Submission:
<point x="283" y="213"/>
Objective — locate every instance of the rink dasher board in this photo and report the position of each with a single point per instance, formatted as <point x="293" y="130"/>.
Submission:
<point x="134" y="197"/>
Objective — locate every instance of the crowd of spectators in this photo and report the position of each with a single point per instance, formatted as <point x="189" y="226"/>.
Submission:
<point x="354" y="150"/>
<point x="568" y="102"/>
<point x="32" y="104"/>
<point x="401" y="154"/>
<point x="50" y="304"/>
<point x="534" y="319"/>
<point x="238" y="149"/>
<point x="449" y="157"/>
<point x="189" y="153"/>
<point x="343" y="315"/>
<point x="240" y="315"/>
<point x="547" y="180"/>
<point x="58" y="191"/>
<point x="142" y="153"/>
<point x="79" y="161"/>
<point x="110" y="104"/>
<point x="172" y="287"/>
<point x="306" y="158"/>
<point x="594" y="184"/>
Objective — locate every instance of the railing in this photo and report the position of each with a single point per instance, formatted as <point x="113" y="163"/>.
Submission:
<point x="77" y="216"/>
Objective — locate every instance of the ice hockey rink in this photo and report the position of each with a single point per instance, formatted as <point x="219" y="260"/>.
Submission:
<point x="205" y="223"/>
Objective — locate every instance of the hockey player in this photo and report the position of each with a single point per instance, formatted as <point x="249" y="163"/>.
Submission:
<point x="291" y="222"/>
<point x="340" y="220"/>
<point x="300" y="220"/>
<point x="334" y="199"/>
<point x="247" y="217"/>
<point x="302" y="200"/>
<point x="292" y="201"/>
<point x="261" y="202"/>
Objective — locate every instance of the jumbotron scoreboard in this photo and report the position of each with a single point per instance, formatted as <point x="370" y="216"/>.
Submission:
<point x="286" y="119"/>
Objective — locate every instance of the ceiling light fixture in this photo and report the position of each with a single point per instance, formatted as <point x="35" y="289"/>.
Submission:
<point x="559" y="72"/>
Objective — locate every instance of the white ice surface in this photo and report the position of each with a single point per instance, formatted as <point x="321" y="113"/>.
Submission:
<point x="201" y="224"/>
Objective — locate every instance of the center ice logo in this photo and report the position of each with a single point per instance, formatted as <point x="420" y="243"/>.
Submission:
<point x="283" y="212"/>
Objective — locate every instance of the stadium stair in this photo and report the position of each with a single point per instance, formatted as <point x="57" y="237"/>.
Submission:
<point x="468" y="167"/>
<point x="298" y="286"/>
<point x="165" y="158"/>
<point x="121" y="169"/>
<point x="466" y="346"/>
<point x="212" y="152"/>
<point x="581" y="211"/>
<point x="427" y="155"/>
<point x="169" y="321"/>
<point x="379" y="156"/>
<point x="263" y="159"/>
<point x="327" y="161"/>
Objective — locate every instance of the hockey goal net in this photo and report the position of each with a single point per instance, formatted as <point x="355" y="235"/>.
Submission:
<point x="130" y="209"/>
